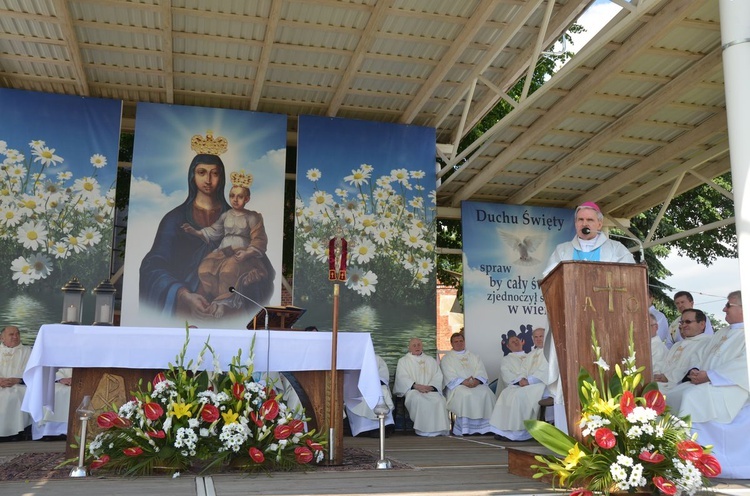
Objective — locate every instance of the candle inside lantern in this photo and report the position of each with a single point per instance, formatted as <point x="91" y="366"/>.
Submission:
<point x="72" y="314"/>
<point x="104" y="313"/>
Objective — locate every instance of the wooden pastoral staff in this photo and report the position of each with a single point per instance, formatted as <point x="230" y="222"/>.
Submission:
<point x="612" y="296"/>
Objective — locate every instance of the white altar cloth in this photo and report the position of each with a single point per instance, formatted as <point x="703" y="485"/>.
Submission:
<point x="60" y="345"/>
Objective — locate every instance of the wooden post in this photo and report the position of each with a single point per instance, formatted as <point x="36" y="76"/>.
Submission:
<point x="332" y="456"/>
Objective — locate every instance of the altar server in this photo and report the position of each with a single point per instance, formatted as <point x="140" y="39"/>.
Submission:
<point x="360" y="415"/>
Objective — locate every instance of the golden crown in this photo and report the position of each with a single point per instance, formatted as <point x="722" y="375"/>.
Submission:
<point x="240" y="179"/>
<point x="209" y="145"/>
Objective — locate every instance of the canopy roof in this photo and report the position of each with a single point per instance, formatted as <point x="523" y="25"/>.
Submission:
<point x="635" y="117"/>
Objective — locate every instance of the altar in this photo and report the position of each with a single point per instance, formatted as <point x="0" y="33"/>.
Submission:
<point x="60" y="345"/>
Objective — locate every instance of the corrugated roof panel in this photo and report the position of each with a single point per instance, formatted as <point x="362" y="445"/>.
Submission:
<point x="238" y="28"/>
<point x="307" y="36"/>
<point x="238" y="7"/>
<point x="326" y="14"/>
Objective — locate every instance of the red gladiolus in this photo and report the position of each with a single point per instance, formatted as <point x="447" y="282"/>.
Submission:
<point x="159" y="378"/>
<point x="581" y="492"/>
<point x="708" y="465"/>
<point x="303" y="455"/>
<point x="99" y="462"/>
<point x="651" y="457"/>
<point x="282" y="431"/>
<point x="256" y="455"/>
<point x="627" y="403"/>
<point x="153" y="410"/>
<point x="665" y="486"/>
<point x="656" y="401"/>
<point x="133" y="451"/>
<point x="297" y="426"/>
<point x="689" y="450"/>
<point x="314" y="446"/>
<point x="605" y="438"/>
<point x="106" y="420"/>
<point x="269" y="410"/>
<point x="210" y="413"/>
<point x="157" y="434"/>
<point x="238" y="389"/>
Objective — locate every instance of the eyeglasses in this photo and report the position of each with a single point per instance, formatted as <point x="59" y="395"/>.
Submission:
<point x="729" y="305"/>
<point x="687" y="321"/>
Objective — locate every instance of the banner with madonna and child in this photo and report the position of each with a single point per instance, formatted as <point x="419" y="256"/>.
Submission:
<point x="505" y="250"/>
<point x="206" y="215"/>
<point x="58" y="167"/>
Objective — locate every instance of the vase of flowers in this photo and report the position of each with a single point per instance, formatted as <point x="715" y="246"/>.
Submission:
<point x="192" y="419"/>
<point x="630" y="440"/>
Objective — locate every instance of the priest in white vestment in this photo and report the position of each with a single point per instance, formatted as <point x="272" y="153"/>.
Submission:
<point x="56" y="423"/>
<point x="524" y="376"/>
<point x="658" y="348"/>
<point x="13" y="358"/>
<point x="469" y="397"/>
<point x="419" y="380"/>
<point x="683" y="355"/>
<point x="717" y="398"/>
<point x="360" y="415"/>
<point x="683" y="300"/>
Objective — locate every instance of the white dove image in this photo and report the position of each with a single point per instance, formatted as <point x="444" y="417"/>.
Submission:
<point x="525" y="247"/>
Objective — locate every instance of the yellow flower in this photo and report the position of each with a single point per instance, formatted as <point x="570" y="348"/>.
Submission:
<point x="230" y="417"/>
<point x="604" y="407"/>
<point x="181" y="409"/>
<point x="574" y="455"/>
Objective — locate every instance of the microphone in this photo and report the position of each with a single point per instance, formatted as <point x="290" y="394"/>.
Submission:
<point x="585" y="230"/>
<point x="632" y="238"/>
<point x="233" y="290"/>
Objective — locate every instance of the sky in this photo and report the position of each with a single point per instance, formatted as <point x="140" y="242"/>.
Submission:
<point x="708" y="285"/>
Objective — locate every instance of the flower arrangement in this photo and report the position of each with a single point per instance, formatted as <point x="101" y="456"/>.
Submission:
<point x="388" y="222"/>
<point x="187" y="418"/>
<point x="49" y="219"/>
<point x="630" y="441"/>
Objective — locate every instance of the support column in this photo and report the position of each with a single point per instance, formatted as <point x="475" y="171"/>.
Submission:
<point x="735" y="41"/>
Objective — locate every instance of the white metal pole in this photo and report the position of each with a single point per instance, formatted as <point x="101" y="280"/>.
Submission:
<point x="735" y="41"/>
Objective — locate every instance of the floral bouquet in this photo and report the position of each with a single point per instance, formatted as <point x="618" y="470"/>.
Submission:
<point x="189" y="418"/>
<point x="630" y="441"/>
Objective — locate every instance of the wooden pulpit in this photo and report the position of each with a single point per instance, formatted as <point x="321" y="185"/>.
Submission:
<point x="611" y="296"/>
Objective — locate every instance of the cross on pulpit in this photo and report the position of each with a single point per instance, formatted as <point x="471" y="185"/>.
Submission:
<point x="611" y="290"/>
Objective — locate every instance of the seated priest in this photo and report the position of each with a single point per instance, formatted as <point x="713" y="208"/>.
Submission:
<point x="419" y="381"/>
<point x="658" y="348"/>
<point x="683" y="355"/>
<point x="469" y="397"/>
<point x="717" y="396"/>
<point x="13" y="358"/>
<point x="55" y="423"/>
<point x="361" y="417"/>
<point x="525" y="377"/>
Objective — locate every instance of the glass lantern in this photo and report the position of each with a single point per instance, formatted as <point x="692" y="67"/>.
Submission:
<point x="72" y="302"/>
<point x="104" y="311"/>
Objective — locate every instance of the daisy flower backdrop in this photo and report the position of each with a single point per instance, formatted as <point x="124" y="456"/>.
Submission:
<point x="370" y="183"/>
<point x="58" y="166"/>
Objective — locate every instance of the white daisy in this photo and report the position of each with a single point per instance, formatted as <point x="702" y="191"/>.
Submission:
<point x="46" y="156"/>
<point x="32" y="235"/>
<point x="98" y="160"/>
<point x="314" y="175"/>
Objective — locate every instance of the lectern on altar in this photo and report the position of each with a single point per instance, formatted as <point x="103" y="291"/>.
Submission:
<point x="611" y="296"/>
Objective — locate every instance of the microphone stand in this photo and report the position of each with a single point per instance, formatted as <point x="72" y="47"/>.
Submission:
<point x="631" y="238"/>
<point x="268" y="332"/>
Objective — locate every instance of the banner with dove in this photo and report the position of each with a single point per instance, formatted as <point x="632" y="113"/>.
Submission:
<point x="505" y="250"/>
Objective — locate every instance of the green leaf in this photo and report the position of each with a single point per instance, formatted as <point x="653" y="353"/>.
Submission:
<point x="550" y="436"/>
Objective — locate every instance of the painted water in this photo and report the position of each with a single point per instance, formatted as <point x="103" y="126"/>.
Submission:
<point x="29" y="314"/>
<point x="390" y="327"/>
